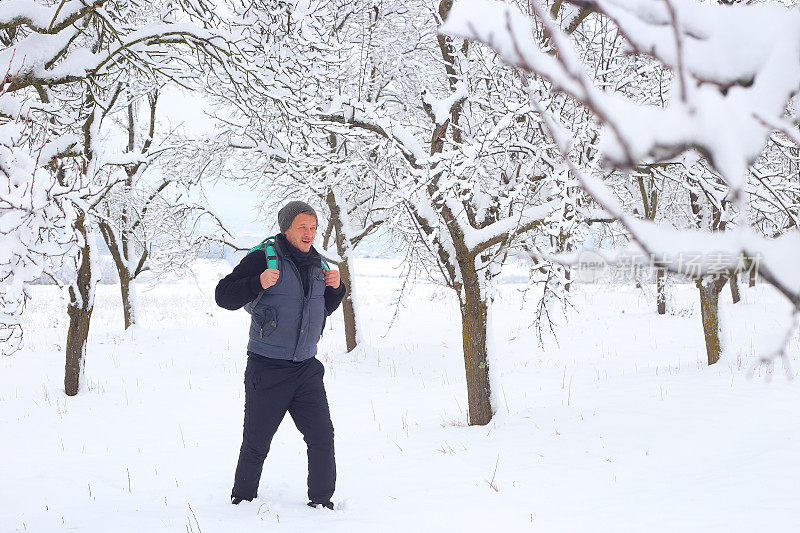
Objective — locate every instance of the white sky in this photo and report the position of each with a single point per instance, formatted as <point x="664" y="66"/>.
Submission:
<point x="234" y="204"/>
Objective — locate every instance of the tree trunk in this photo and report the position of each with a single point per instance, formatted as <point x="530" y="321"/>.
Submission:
<point x="118" y="245"/>
<point x="79" y="310"/>
<point x="735" y="288"/>
<point x="474" y="331"/>
<point x="128" y="298"/>
<point x="348" y="309"/>
<point x="753" y="276"/>
<point x="343" y="248"/>
<point x="710" y="288"/>
<point x="77" y="336"/>
<point x="661" y="288"/>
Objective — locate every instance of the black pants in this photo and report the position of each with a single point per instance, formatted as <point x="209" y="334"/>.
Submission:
<point x="272" y="387"/>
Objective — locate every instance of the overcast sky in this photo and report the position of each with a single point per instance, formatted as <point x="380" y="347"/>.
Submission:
<point x="234" y="204"/>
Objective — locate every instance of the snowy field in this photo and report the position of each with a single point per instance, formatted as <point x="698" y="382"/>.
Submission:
<point x="619" y="427"/>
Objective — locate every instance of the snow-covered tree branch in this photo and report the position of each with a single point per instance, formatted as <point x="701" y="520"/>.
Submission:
<point x="76" y="58"/>
<point x="725" y="108"/>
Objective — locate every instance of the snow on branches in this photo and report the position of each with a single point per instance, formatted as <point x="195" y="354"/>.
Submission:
<point x="67" y="64"/>
<point x="35" y="217"/>
<point x="734" y="70"/>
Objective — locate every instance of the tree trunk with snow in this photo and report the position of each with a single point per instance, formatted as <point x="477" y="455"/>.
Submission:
<point x="118" y="245"/>
<point x="79" y="310"/>
<point x="661" y="291"/>
<point x="128" y="298"/>
<point x="343" y="249"/>
<point x="753" y="272"/>
<point x="81" y="290"/>
<point x="121" y="256"/>
<point x="650" y="203"/>
<point x="735" y="289"/>
<point x="710" y="288"/>
<point x="348" y="309"/>
<point x="474" y="310"/>
<point x="464" y="279"/>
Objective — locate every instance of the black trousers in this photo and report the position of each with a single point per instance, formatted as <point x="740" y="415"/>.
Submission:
<point x="273" y="387"/>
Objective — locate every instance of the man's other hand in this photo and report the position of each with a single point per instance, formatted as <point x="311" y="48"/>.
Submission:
<point x="269" y="277"/>
<point x="332" y="278"/>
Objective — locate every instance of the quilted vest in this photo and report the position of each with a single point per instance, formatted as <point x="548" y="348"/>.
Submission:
<point x="285" y="323"/>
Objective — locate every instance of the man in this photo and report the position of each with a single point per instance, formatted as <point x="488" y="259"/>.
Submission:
<point x="282" y="373"/>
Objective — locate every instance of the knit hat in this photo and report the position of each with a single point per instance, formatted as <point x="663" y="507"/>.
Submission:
<point x="289" y="211"/>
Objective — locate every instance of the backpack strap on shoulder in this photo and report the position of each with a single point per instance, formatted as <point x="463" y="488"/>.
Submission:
<point x="268" y="245"/>
<point x="272" y="257"/>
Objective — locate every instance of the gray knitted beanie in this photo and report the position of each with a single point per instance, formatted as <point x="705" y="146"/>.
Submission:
<point x="289" y="211"/>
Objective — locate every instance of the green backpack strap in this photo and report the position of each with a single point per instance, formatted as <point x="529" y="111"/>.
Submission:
<point x="272" y="257"/>
<point x="268" y="245"/>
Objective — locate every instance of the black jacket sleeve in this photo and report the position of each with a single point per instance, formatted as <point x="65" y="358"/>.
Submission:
<point x="243" y="284"/>
<point x="333" y="297"/>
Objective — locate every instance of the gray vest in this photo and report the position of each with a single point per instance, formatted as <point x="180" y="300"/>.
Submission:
<point x="285" y="323"/>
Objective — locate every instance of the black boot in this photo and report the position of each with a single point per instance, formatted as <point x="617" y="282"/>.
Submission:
<point x="319" y="505"/>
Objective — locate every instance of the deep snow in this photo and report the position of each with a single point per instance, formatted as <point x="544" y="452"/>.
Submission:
<point x="619" y="427"/>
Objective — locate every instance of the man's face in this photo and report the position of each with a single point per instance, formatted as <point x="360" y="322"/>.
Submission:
<point x="302" y="231"/>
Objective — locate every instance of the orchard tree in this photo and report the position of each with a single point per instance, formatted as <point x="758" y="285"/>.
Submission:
<point x="148" y="219"/>
<point x="477" y="177"/>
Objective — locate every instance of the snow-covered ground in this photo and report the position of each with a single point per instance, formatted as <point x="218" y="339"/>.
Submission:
<point x="619" y="427"/>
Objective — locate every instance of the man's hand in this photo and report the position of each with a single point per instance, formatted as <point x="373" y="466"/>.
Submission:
<point x="332" y="278"/>
<point x="269" y="277"/>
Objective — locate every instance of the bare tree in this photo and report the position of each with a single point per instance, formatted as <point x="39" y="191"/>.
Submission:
<point x="475" y="182"/>
<point x="147" y="219"/>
